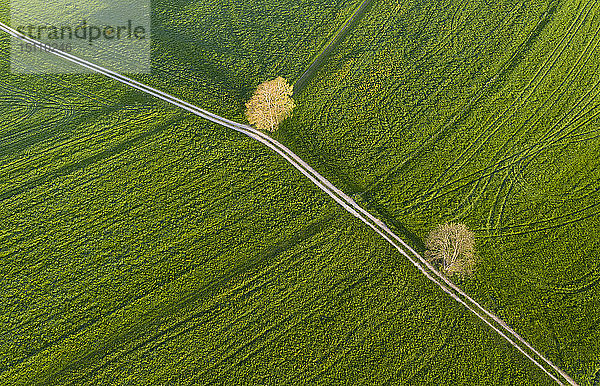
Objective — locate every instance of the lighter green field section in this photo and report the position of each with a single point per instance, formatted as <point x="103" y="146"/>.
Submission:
<point x="141" y="245"/>
<point x="488" y="114"/>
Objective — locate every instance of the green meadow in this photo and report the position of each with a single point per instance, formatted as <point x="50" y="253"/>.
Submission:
<point x="143" y="245"/>
<point x="489" y="116"/>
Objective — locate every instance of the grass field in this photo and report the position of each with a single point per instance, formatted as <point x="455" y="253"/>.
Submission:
<point x="215" y="53"/>
<point x="141" y="245"/>
<point x="490" y="117"/>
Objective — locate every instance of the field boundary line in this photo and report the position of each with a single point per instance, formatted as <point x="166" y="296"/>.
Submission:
<point x="345" y="201"/>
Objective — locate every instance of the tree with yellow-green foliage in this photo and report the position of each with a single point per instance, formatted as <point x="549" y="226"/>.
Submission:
<point x="271" y="103"/>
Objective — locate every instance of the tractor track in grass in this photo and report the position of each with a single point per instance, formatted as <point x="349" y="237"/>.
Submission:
<point x="490" y="129"/>
<point x="314" y="67"/>
<point x="437" y="188"/>
<point x="432" y="274"/>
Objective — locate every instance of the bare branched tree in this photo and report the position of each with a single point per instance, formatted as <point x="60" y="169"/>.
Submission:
<point x="271" y="103"/>
<point x="452" y="246"/>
